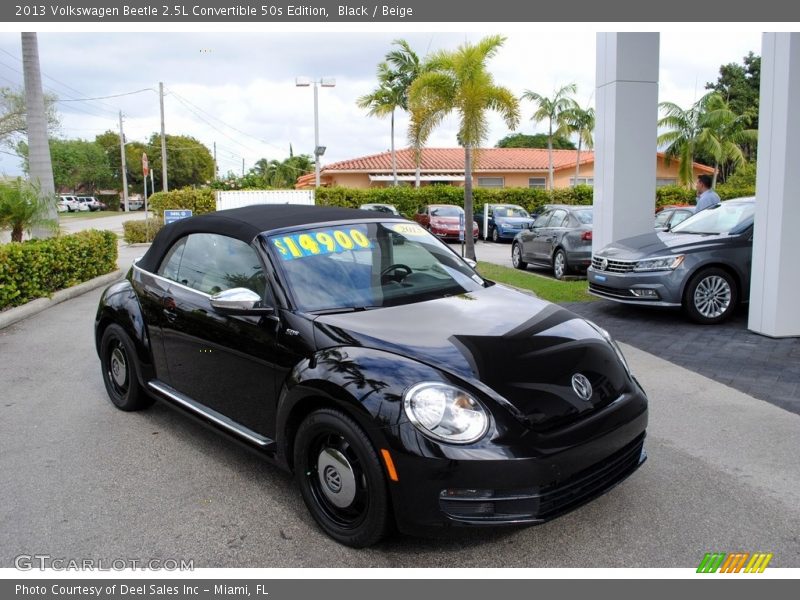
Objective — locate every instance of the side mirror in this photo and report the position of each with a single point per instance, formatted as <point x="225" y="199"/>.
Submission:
<point x="239" y="301"/>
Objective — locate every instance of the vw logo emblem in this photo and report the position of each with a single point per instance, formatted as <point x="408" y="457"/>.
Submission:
<point x="604" y="264"/>
<point x="333" y="479"/>
<point x="582" y="387"/>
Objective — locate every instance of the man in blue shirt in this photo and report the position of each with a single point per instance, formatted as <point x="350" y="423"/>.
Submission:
<point x="706" y="197"/>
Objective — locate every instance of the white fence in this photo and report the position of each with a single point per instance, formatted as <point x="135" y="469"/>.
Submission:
<point x="248" y="197"/>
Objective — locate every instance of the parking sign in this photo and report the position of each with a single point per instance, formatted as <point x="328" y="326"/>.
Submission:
<point x="170" y="216"/>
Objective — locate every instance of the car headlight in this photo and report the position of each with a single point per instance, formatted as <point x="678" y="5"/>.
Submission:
<point x="446" y="412"/>
<point x="661" y="263"/>
<point x="613" y="344"/>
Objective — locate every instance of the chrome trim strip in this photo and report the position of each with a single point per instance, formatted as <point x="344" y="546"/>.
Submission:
<point x="209" y="414"/>
<point x="622" y="300"/>
<point x="171" y="281"/>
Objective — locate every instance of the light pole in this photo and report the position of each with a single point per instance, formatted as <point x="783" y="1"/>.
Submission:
<point x="324" y="82"/>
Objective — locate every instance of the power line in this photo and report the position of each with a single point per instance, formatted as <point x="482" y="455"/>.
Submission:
<point x="113" y="96"/>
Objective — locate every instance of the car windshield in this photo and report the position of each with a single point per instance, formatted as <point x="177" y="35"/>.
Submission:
<point x="511" y="211"/>
<point x="584" y="216"/>
<point x="369" y="265"/>
<point x="722" y="218"/>
<point x="446" y="211"/>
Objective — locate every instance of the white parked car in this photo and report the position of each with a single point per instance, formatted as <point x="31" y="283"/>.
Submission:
<point x="73" y="205"/>
<point x="91" y="202"/>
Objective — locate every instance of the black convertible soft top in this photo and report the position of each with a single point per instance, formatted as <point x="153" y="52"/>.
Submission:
<point x="247" y="222"/>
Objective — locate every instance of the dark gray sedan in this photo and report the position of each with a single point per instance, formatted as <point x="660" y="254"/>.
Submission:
<point x="702" y="265"/>
<point x="559" y="238"/>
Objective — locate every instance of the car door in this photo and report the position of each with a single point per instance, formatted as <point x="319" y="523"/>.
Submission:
<point x="223" y="362"/>
<point x="543" y="236"/>
<point x="530" y="237"/>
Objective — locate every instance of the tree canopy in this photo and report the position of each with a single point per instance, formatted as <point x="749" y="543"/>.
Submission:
<point x="537" y="140"/>
<point x="13" y="115"/>
<point x="189" y="162"/>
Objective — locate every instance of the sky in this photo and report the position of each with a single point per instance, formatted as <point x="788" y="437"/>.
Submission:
<point x="237" y="88"/>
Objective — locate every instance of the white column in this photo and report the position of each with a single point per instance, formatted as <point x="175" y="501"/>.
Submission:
<point x="625" y="135"/>
<point x="775" y="285"/>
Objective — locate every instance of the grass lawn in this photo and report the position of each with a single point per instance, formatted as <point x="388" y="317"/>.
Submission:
<point x="544" y="287"/>
<point x="87" y="215"/>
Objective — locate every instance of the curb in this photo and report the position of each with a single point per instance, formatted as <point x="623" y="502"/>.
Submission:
<point x="34" y="307"/>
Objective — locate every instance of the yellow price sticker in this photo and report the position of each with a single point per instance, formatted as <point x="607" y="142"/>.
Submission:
<point x="316" y="243"/>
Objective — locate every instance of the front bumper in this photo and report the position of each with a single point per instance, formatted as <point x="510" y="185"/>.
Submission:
<point x="539" y="479"/>
<point x="653" y="288"/>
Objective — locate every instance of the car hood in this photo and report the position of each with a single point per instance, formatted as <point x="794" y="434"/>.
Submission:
<point x="519" y="350"/>
<point x="662" y="243"/>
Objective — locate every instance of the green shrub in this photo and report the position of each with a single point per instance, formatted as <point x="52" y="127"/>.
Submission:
<point x="38" y="268"/>
<point x="199" y="201"/>
<point x="409" y="200"/>
<point x="140" y="232"/>
<point x="675" y="194"/>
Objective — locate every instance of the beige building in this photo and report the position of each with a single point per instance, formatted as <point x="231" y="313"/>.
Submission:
<point x="492" y="168"/>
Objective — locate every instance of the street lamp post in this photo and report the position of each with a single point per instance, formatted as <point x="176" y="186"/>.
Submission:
<point x="324" y="82"/>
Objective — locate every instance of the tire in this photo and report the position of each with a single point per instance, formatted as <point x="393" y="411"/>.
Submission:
<point x="516" y="257"/>
<point x="495" y="235"/>
<point x="560" y="266"/>
<point x="119" y="368"/>
<point x="711" y="296"/>
<point x="341" y="479"/>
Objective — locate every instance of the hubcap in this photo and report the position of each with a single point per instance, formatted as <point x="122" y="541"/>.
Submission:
<point x="515" y="256"/>
<point x="558" y="266"/>
<point x="336" y="477"/>
<point x="119" y="368"/>
<point x="712" y="296"/>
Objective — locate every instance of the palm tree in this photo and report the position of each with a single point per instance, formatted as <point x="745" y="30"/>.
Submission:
<point x="41" y="166"/>
<point x="581" y="121"/>
<point x="723" y="133"/>
<point x="23" y="206"/>
<point x="553" y="110"/>
<point x="407" y="67"/>
<point x="395" y="76"/>
<point x="385" y="100"/>
<point x="459" y="82"/>
<point x="681" y="135"/>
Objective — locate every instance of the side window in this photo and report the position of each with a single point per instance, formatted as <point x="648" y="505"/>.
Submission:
<point x="212" y="263"/>
<point x="559" y="219"/>
<point x="541" y="220"/>
<point x="172" y="261"/>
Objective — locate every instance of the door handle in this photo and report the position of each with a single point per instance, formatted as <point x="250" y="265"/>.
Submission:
<point x="169" y="309"/>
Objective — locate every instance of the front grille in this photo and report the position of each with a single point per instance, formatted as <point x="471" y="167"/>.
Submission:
<point x="614" y="266"/>
<point x="545" y="503"/>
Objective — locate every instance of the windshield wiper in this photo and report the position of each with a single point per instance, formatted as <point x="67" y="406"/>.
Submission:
<point x="342" y="309"/>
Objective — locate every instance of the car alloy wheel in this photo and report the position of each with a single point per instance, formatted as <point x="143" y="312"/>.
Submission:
<point x="559" y="264"/>
<point x="495" y="235"/>
<point x="341" y="478"/>
<point x="711" y="296"/>
<point x="117" y="357"/>
<point x="516" y="257"/>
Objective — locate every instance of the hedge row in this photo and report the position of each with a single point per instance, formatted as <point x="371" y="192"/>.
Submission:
<point x="675" y="194"/>
<point x="37" y="268"/>
<point x="140" y="232"/>
<point x="199" y="201"/>
<point x="408" y="199"/>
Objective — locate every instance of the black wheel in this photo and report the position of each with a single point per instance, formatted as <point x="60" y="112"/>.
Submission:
<point x="711" y="296"/>
<point x="341" y="479"/>
<point x="560" y="267"/>
<point x="495" y="235"/>
<point x="118" y="361"/>
<point x="516" y="257"/>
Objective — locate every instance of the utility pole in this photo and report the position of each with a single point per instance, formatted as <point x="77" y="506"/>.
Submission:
<point x="216" y="168"/>
<point x="123" y="166"/>
<point x="40" y="164"/>
<point x="243" y="167"/>
<point x="164" y="185"/>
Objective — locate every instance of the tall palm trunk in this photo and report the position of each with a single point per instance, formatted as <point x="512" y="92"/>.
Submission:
<point x="417" y="161"/>
<point x="394" y="156"/>
<point x="16" y="233"/>
<point x="714" y="178"/>
<point x="40" y="165"/>
<point x="469" y="242"/>
<point x="550" y="154"/>
<point x="578" y="161"/>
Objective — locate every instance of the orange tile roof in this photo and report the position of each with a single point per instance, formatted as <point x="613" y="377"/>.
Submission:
<point x="452" y="159"/>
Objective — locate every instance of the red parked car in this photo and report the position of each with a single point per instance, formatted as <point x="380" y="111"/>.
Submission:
<point x="442" y="220"/>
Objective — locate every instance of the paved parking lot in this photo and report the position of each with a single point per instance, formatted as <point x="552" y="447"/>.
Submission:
<point x="81" y="479"/>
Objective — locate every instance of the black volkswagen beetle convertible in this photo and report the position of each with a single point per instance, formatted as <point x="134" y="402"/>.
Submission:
<point x="359" y="352"/>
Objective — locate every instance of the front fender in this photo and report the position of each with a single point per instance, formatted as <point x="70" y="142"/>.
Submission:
<point x="119" y="305"/>
<point x="365" y="383"/>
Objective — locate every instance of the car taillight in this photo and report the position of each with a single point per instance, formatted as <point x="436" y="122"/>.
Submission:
<point x="586" y="236"/>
